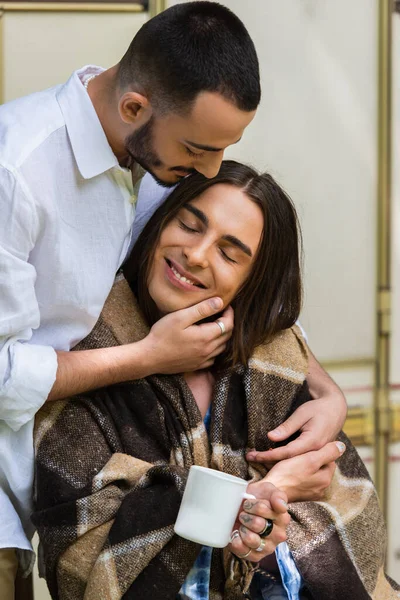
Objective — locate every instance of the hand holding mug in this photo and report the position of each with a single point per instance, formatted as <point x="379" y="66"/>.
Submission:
<point x="209" y="506"/>
<point x="250" y="539"/>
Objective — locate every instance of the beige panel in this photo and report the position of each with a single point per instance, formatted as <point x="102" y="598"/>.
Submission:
<point x="42" y="49"/>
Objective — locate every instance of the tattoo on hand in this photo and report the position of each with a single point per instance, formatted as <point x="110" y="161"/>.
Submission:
<point x="243" y="529"/>
<point x="249" y="505"/>
<point x="246" y="518"/>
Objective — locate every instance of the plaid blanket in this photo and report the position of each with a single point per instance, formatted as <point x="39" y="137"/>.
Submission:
<point x="111" y="468"/>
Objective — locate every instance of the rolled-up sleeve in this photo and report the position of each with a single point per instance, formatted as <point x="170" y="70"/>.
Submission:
<point x="27" y="371"/>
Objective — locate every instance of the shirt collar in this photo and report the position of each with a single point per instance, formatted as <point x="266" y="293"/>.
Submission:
<point x="93" y="153"/>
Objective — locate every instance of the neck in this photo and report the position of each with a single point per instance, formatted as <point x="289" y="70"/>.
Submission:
<point x="201" y="384"/>
<point x="103" y="93"/>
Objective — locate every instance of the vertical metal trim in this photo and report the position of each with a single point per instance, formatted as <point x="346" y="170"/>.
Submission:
<point x="383" y="326"/>
<point x="156" y="6"/>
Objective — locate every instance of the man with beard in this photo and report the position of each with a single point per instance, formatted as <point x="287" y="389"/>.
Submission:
<point x="70" y="161"/>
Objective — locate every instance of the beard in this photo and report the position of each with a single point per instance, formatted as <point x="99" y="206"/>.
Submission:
<point x="140" y="147"/>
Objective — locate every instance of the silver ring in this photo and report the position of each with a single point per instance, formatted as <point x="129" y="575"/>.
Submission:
<point x="235" y="534"/>
<point x="221" y="326"/>
<point x="245" y="555"/>
<point x="261" y="546"/>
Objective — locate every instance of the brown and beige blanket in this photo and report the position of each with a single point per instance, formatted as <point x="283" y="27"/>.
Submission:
<point x="112" y="465"/>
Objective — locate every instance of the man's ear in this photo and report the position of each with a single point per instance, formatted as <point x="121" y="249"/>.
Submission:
<point x="134" y="108"/>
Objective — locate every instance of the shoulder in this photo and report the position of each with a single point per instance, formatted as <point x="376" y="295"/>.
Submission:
<point x="26" y="123"/>
<point x="286" y="355"/>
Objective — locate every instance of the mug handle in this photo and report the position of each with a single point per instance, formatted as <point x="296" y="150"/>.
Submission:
<point x="249" y="497"/>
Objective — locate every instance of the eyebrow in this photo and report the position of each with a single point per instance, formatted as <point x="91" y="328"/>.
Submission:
<point x="207" y="148"/>
<point x="228" y="238"/>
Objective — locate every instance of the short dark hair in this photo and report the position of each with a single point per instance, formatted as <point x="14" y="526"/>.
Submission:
<point x="270" y="299"/>
<point x="190" y="48"/>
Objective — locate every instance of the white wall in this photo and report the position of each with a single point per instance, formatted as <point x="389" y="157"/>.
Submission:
<point x="42" y="49"/>
<point x="315" y="131"/>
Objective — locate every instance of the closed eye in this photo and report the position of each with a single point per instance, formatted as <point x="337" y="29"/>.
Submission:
<point x="185" y="227"/>
<point x="226" y="257"/>
<point x="195" y="154"/>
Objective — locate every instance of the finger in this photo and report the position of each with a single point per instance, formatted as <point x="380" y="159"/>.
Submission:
<point x="217" y="351"/>
<point x="278" y="501"/>
<point x="303" y="444"/>
<point x="239" y="548"/>
<point x="318" y="459"/>
<point x="209" y="361"/>
<point x="228" y="318"/>
<point x="261" y="508"/>
<point x="249" y="538"/>
<point x="292" y="424"/>
<point x="206" y="365"/>
<point x="193" y="314"/>
<point x="214" y="330"/>
<point x="252" y="522"/>
<point x="328" y="453"/>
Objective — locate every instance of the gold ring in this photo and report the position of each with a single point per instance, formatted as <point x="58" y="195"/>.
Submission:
<point x="245" y="555"/>
<point x="221" y="326"/>
<point x="261" y="546"/>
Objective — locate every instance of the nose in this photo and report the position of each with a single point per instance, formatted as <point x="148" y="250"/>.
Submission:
<point x="210" y="164"/>
<point x="197" y="255"/>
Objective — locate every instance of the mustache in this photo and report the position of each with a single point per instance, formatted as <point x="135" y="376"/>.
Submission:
<point x="182" y="170"/>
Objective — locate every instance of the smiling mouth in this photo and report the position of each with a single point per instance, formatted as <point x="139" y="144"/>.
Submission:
<point x="182" y="278"/>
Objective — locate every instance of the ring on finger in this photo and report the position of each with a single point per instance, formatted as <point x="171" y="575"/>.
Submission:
<point x="245" y="555"/>
<point x="261" y="546"/>
<point x="221" y="325"/>
<point x="267" y="529"/>
<point x="235" y="534"/>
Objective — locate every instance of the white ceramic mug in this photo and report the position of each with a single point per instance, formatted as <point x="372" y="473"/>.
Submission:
<point x="209" y="507"/>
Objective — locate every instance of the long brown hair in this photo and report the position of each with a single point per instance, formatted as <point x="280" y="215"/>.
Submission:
<point x="270" y="298"/>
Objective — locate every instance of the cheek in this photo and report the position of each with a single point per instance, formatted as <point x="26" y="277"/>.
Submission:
<point x="229" y="283"/>
<point x="167" y="151"/>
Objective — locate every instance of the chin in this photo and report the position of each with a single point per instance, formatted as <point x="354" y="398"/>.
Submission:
<point x="163" y="181"/>
<point x="170" y="305"/>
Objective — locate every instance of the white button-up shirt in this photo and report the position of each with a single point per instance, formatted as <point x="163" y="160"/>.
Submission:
<point x="66" y="215"/>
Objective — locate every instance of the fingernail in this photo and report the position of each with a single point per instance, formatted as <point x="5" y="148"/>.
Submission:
<point x="251" y="455"/>
<point x="277" y="431"/>
<point x="216" y="303"/>
<point x="341" y="447"/>
<point x="284" y="503"/>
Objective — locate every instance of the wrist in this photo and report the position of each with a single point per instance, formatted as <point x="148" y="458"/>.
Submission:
<point x="132" y="361"/>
